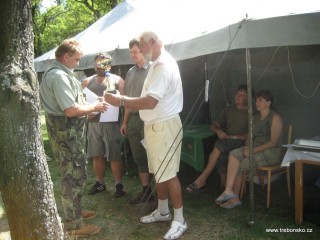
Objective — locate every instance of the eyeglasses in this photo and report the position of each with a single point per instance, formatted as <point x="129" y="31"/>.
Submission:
<point x="134" y="52"/>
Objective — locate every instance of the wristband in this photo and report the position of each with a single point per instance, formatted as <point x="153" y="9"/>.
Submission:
<point x="122" y="102"/>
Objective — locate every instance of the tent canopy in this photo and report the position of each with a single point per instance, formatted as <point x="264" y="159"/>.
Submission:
<point x="199" y="33"/>
<point x="190" y="29"/>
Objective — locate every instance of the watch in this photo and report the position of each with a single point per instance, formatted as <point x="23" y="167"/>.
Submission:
<point x="122" y="102"/>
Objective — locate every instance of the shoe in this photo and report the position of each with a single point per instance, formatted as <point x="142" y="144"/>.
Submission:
<point x="231" y="204"/>
<point x="97" y="187"/>
<point x="194" y="189"/>
<point x="84" y="231"/>
<point x="176" y="230"/>
<point x="224" y="197"/>
<point x="155" y="216"/>
<point x="88" y="214"/>
<point x="142" y="197"/>
<point x="119" y="191"/>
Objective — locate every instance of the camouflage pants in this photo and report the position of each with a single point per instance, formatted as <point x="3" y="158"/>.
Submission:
<point x="67" y="140"/>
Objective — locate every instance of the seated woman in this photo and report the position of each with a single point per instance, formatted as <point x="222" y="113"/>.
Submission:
<point x="267" y="132"/>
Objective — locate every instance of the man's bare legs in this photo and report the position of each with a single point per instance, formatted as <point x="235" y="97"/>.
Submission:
<point x="99" y="168"/>
<point x="116" y="168"/>
<point x="202" y="179"/>
<point x="172" y="188"/>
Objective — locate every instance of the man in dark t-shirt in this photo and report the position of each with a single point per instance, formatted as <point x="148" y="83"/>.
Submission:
<point x="231" y="128"/>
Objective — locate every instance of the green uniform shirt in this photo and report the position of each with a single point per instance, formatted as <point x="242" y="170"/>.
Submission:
<point x="60" y="89"/>
<point x="135" y="80"/>
<point x="233" y="121"/>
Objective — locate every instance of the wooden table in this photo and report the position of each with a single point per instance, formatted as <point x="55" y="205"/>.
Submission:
<point x="299" y="158"/>
<point x="299" y="188"/>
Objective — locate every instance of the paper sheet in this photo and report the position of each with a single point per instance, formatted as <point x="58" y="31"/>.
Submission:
<point x="111" y="115"/>
<point x="91" y="96"/>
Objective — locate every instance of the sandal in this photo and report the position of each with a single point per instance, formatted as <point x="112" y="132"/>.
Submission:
<point x="155" y="216"/>
<point x="231" y="204"/>
<point x="224" y="197"/>
<point x="194" y="189"/>
<point x="176" y="230"/>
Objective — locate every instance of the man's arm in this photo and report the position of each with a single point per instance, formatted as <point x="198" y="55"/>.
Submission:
<point x="85" y="83"/>
<point x="121" y="85"/>
<point x="123" y="129"/>
<point x="81" y="110"/>
<point x="217" y="128"/>
<point x="139" y="103"/>
<point x="242" y="136"/>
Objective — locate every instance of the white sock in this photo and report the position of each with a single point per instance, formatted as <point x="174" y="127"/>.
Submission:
<point x="163" y="207"/>
<point x="178" y="214"/>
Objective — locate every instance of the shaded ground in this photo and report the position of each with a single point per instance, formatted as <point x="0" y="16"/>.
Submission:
<point x="206" y="220"/>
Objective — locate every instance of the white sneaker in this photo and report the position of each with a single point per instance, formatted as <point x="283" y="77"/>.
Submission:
<point x="155" y="217"/>
<point x="176" y="230"/>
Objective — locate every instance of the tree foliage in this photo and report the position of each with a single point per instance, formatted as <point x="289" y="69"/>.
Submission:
<point x="65" y="19"/>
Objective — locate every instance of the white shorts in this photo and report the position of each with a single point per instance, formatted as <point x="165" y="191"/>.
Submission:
<point x="163" y="144"/>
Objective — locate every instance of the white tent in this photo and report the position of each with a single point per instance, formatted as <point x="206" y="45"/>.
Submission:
<point x="199" y="33"/>
<point x="195" y="28"/>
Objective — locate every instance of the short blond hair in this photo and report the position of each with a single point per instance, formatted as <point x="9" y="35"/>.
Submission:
<point x="70" y="46"/>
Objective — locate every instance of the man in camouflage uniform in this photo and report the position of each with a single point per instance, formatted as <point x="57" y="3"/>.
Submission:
<point x="65" y="108"/>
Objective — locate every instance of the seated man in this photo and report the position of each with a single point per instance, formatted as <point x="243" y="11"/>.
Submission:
<point x="231" y="128"/>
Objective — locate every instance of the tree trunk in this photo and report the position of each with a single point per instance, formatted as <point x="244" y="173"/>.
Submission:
<point x="25" y="182"/>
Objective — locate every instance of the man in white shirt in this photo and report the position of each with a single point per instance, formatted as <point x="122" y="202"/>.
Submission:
<point x="159" y="106"/>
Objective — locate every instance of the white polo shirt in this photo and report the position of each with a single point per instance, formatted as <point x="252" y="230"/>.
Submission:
<point x="163" y="83"/>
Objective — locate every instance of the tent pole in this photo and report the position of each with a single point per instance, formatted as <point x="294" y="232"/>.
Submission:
<point x="250" y="137"/>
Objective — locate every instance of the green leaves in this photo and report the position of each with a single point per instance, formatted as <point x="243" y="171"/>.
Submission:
<point x="64" y="19"/>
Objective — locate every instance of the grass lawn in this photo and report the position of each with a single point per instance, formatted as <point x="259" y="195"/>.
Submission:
<point x="120" y="220"/>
